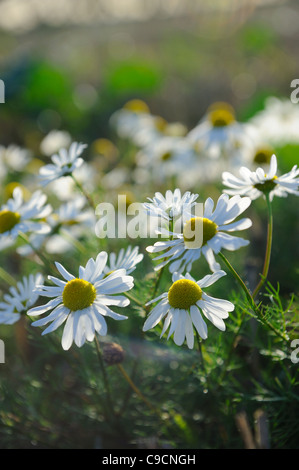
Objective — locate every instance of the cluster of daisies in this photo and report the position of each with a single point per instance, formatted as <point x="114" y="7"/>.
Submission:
<point x="167" y="151"/>
<point x="82" y="302"/>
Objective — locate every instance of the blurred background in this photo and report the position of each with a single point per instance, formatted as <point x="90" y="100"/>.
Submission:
<point x="70" y="64"/>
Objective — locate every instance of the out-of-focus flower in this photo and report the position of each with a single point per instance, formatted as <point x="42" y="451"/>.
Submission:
<point x="278" y="122"/>
<point x="54" y="141"/>
<point x="14" y="157"/>
<point x="257" y="183"/>
<point x="135" y="122"/>
<point x="19" y="299"/>
<point x="70" y="222"/>
<point x="166" y="158"/>
<point x="126" y="259"/>
<point x="64" y="163"/>
<point x="218" y="133"/>
<point x="17" y="216"/>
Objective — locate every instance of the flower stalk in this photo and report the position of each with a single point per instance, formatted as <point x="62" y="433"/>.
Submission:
<point x="268" y="249"/>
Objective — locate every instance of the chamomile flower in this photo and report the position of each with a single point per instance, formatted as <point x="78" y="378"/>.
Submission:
<point x="218" y="132"/>
<point x="278" y="122"/>
<point x="63" y="164"/>
<point x="257" y="183"/>
<point x="166" y="158"/>
<point x="205" y="235"/>
<point x="17" y="216"/>
<point x="19" y="299"/>
<point x="69" y="222"/>
<point x="15" y="157"/>
<point x="55" y="140"/>
<point x="83" y="302"/>
<point x="184" y="306"/>
<point x="130" y="118"/>
<point x="126" y="259"/>
<point x="172" y="206"/>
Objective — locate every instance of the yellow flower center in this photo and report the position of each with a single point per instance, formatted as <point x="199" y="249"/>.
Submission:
<point x="8" y="220"/>
<point x="221" y="115"/>
<point x="137" y="106"/>
<point x="108" y="273"/>
<point x="78" y="294"/>
<point x="161" y="124"/>
<point x="198" y="231"/>
<point x="262" y="156"/>
<point x="184" y="293"/>
<point x="166" y="156"/>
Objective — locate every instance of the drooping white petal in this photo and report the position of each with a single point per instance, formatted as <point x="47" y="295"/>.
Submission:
<point x="198" y="322"/>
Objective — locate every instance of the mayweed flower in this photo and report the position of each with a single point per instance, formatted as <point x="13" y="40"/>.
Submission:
<point x="124" y="260"/>
<point x="17" y="216"/>
<point x="14" y="157"/>
<point x="64" y="163"/>
<point x="278" y="122"/>
<point x="130" y="118"/>
<point x="55" y="140"/>
<point x="19" y="299"/>
<point x="256" y="183"/>
<point x="82" y="302"/>
<point x="69" y="222"/>
<point x="205" y="235"/>
<point x="218" y="132"/>
<point x="166" y="158"/>
<point x="182" y="306"/>
<point x="172" y="206"/>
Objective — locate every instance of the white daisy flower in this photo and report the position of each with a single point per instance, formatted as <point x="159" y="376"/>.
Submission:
<point x="171" y="207"/>
<point x="218" y="133"/>
<point x="257" y="183"/>
<point x="256" y="151"/>
<point x="205" y="235"/>
<point x="55" y="140"/>
<point x="19" y="299"/>
<point x="134" y="121"/>
<point x="130" y="118"/>
<point x="83" y="302"/>
<point x="166" y="158"/>
<point x="70" y="221"/>
<point x="278" y="122"/>
<point x="125" y="260"/>
<point x="183" y="306"/>
<point x="17" y="216"/>
<point x="64" y="163"/>
<point x="15" y="157"/>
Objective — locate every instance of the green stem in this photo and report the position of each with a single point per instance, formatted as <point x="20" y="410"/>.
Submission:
<point x="105" y="377"/>
<point x="268" y="249"/>
<point x="46" y="262"/>
<point x="85" y="194"/>
<point x="240" y="281"/>
<point x="136" y="301"/>
<point x="7" y="277"/>
<point x="250" y="299"/>
<point x="136" y="390"/>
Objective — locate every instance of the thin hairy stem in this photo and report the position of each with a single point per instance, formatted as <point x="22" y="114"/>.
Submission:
<point x="268" y="249"/>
